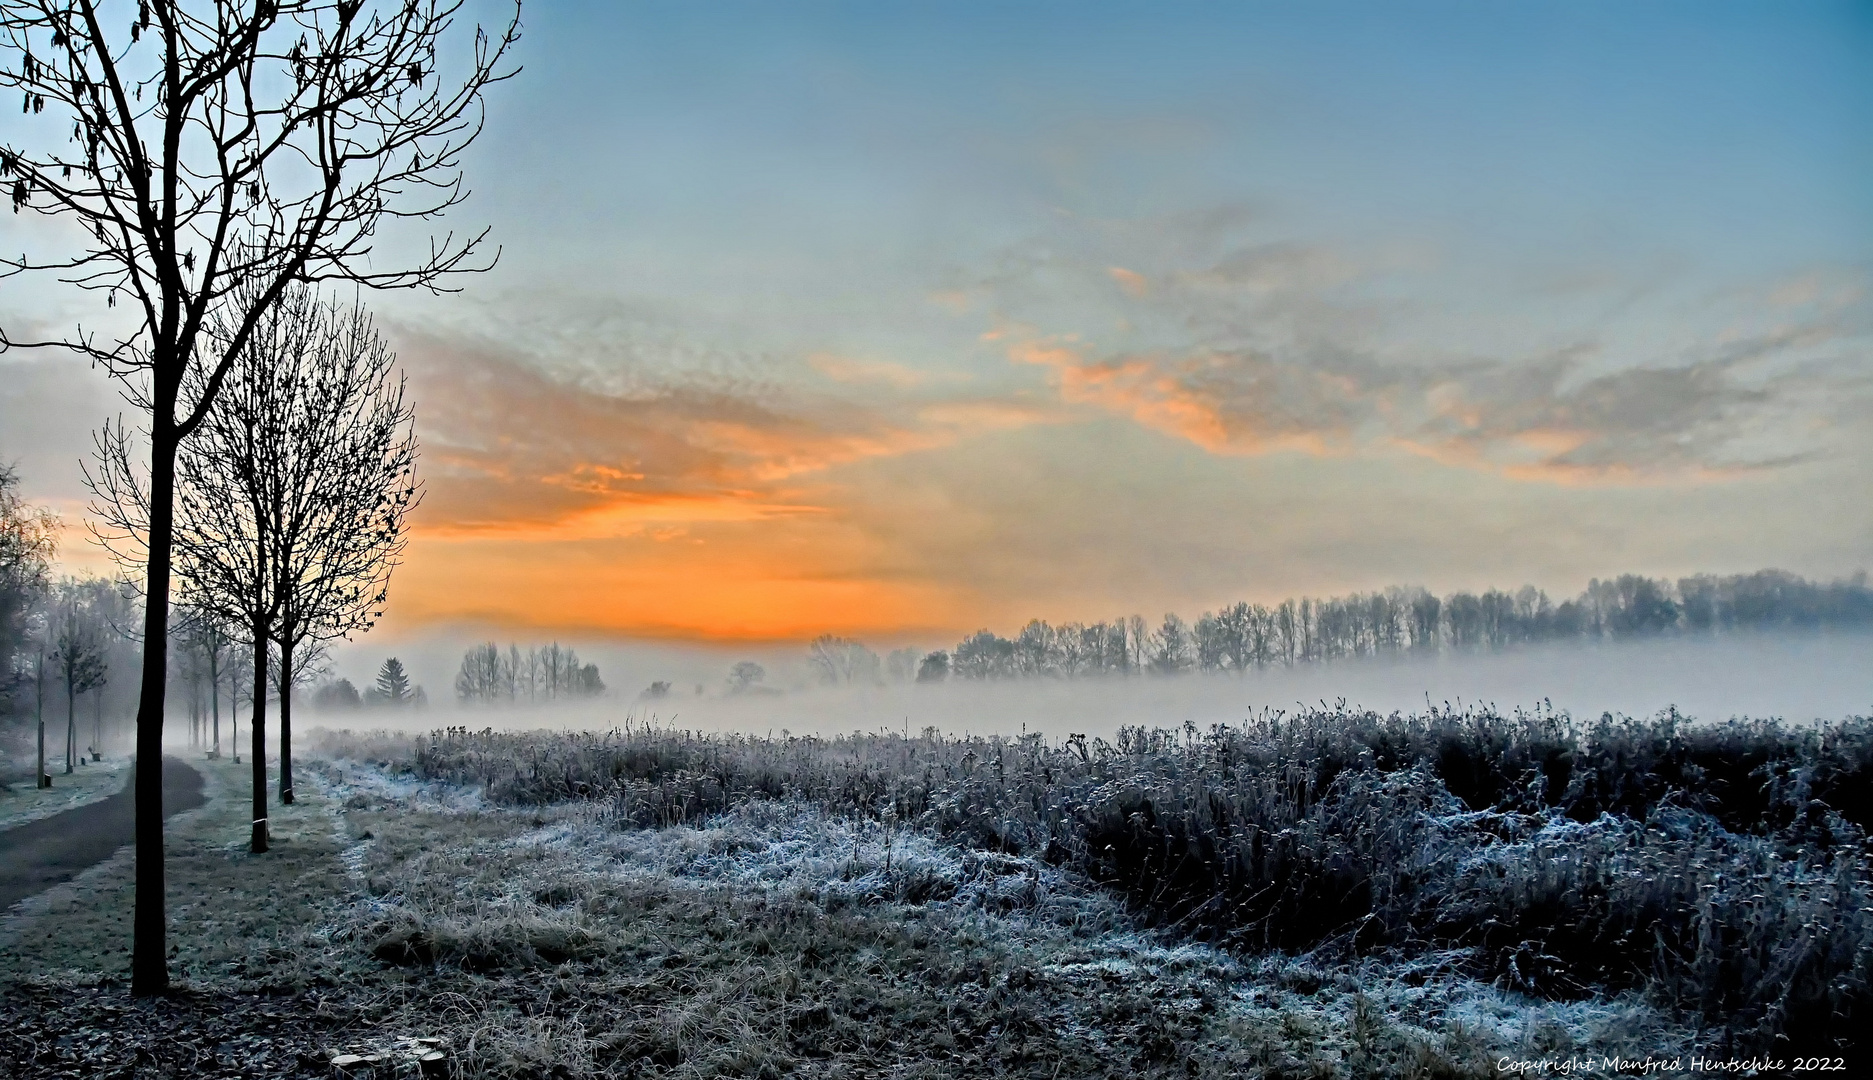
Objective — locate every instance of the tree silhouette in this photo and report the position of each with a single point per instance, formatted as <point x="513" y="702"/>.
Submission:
<point x="745" y="676"/>
<point x="77" y="660"/>
<point x="343" y="450"/>
<point x="900" y="665"/>
<point x="1171" y="646"/>
<point x="26" y="548"/>
<point x="207" y="147"/>
<point x="482" y="676"/>
<point x="983" y="655"/>
<point x="843" y="662"/>
<point x="934" y="667"/>
<point x="393" y="683"/>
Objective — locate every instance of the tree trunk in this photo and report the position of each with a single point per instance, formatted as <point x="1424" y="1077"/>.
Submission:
<point x="214" y="690"/>
<point x="149" y="957"/>
<point x="286" y="724"/>
<point x="258" y="722"/>
<point x="41" y="779"/>
<point x="71" y="728"/>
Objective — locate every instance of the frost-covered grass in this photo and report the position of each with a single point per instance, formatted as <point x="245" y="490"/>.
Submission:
<point x="1719" y="869"/>
<point x="230" y="912"/>
<point x="22" y="802"/>
<point x="778" y="938"/>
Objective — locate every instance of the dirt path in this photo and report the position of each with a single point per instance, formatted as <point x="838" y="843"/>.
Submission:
<point x="40" y="854"/>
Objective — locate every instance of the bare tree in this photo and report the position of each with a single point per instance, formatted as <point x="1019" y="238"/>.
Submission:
<point x="40" y="624"/>
<point x="206" y="644"/>
<point x="213" y="641"/>
<point x="746" y="677"/>
<point x="77" y="659"/>
<point x="344" y="455"/>
<point x="1171" y="645"/>
<point x="556" y="666"/>
<point x="26" y="548"/>
<point x="934" y="668"/>
<point x="841" y="661"/>
<point x="900" y="665"/>
<point x="223" y="538"/>
<point x="480" y="678"/>
<point x="528" y="672"/>
<point x="208" y="147"/>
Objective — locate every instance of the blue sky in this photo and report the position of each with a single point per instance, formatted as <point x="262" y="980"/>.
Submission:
<point x="891" y="317"/>
<point x="1732" y="135"/>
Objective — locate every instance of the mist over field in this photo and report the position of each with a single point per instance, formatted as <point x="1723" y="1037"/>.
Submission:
<point x="732" y="541"/>
<point x="1799" y="677"/>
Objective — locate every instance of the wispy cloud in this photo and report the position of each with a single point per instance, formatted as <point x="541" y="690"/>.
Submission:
<point x="1253" y="347"/>
<point x="514" y="447"/>
<point x="1552" y="420"/>
<point x="848" y="369"/>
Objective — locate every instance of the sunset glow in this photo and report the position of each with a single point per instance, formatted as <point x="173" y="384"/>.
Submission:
<point x="898" y="323"/>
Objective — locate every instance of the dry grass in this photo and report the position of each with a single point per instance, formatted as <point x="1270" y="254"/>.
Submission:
<point x="1721" y="868"/>
<point x="772" y="938"/>
<point x="776" y="939"/>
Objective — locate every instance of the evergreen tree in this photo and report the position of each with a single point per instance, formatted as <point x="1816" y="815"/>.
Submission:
<point x="393" y="683"/>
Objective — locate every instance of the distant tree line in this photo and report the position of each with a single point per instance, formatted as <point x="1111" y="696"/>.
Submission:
<point x="1399" y="621"/>
<point x="391" y="690"/>
<point x="542" y="673"/>
<point x="66" y="644"/>
<point x="843" y="662"/>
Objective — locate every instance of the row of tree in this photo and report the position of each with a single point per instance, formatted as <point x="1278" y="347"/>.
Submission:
<point x="58" y="639"/>
<point x="1397" y="621"/>
<point x="290" y="501"/>
<point x="66" y="646"/>
<point x="843" y="662"/>
<point x="541" y="673"/>
<point x="216" y="162"/>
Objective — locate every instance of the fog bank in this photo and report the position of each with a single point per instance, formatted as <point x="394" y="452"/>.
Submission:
<point x="1797" y="677"/>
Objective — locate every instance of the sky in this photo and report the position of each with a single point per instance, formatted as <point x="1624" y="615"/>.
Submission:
<point x="896" y="321"/>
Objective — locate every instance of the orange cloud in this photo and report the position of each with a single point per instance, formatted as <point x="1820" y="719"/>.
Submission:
<point x="732" y="581"/>
<point x="1131" y="281"/>
<point x="508" y="445"/>
<point x="662" y="510"/>
<point x="1172" y="397"/>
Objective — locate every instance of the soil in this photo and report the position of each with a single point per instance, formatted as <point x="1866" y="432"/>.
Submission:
<point x="40" y="854"/>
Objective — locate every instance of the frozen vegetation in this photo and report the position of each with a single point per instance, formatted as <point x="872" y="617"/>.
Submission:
<point x="802" y="941"/>
<point x="1466" y="881"/>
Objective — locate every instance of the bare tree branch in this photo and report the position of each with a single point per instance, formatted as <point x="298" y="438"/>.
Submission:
<point x="213" y="155"/>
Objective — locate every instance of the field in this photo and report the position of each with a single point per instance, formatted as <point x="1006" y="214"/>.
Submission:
<point x="1335" y="894"/>
<point x="1718" y="870"/>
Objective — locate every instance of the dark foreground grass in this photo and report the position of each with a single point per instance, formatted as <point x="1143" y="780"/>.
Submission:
<point x="1722" y="869"/>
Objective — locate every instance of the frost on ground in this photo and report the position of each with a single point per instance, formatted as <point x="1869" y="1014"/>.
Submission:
<point x="21" y="802"/>
<point x="777" y="939"/>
